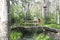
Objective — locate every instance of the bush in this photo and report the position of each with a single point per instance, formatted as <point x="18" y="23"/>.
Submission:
<point x="15" y="35"/>
<point x="43" y="37"/>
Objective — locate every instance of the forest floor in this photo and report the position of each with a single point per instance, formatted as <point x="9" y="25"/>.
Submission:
<point x="16" y="35"/>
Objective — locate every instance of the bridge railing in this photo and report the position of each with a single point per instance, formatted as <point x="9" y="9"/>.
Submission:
<point x="26" y="23"/>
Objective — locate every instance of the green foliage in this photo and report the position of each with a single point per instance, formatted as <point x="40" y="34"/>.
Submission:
<point x="49" y="20"/>
<point x="43" y="37"/>
<point x="29" y="16"/>
<point x="15" y="35"/>
<point x="52" y="26"/>
<point x="17" y="13"/>
<point x="17" y="16"/>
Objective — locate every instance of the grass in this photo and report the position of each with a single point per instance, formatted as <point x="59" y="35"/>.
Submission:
<point x="52" y="26"/>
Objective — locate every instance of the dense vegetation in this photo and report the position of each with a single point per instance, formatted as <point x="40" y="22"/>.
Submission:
<point x="15" y="35"/>
<point x="20" y="17"/>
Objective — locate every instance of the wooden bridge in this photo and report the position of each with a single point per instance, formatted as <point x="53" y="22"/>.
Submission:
<point x="32" y="29"/>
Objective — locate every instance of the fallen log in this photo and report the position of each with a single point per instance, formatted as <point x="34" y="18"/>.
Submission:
<point x="36" y="28"/>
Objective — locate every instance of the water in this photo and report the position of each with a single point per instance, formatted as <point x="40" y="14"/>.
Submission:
<point x="27" y="38"/>
<point x="30" y="36"/>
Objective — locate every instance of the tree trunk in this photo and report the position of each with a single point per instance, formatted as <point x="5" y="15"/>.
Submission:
<point x="45" y="10"/>
<point x="4" y="20"/>
<point x="57" y="11"/>
<point x="26" y="9"/>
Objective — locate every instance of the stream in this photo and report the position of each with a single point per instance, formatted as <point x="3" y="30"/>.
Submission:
<point x="29" y="36"/>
